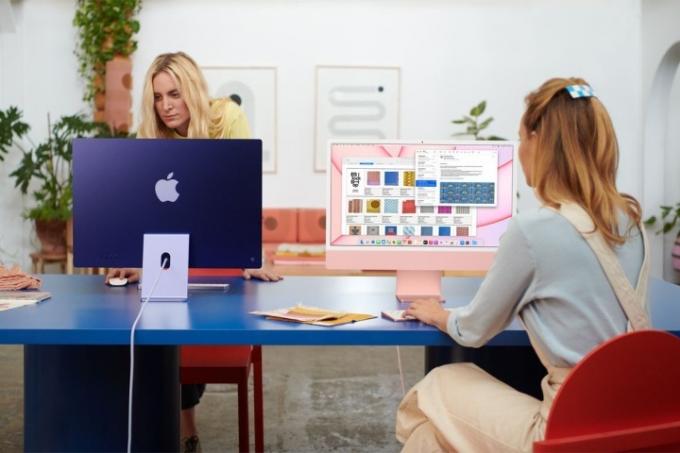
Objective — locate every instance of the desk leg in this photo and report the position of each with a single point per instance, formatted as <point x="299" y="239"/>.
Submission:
<point x="76" y="398"/>
<point x="517" y="366"/>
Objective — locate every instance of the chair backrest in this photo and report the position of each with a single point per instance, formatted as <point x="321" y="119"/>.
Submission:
<point x="312" y="225"/>
<point x="623" y="396"/>
<point x="279" y="225"/>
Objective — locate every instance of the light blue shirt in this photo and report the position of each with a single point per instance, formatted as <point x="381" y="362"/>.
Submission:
<point x="546" y="273"/>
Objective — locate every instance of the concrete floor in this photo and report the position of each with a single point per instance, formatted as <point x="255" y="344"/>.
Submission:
<point x="315" y="399"/>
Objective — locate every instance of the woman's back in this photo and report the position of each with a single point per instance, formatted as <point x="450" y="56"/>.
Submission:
<point x="567" y="285"/>
<point x="570" y="284"/>
<point x="546" y="273"/>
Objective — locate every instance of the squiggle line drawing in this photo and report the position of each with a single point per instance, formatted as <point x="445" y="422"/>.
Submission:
<point x="375" y="111"/>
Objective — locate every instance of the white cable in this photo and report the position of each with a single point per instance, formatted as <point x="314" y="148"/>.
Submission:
<point x="132" y="355"/>
<point x="401" y="372"/>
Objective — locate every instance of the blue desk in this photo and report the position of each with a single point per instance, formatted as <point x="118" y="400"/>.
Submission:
<point x="76" y="362"/>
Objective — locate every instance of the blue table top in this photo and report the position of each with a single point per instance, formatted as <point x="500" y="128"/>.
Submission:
<point x="83" y="310"/>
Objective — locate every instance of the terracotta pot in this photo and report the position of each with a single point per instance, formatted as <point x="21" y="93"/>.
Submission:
<point x="118" y="95"/>
<point x="69" y="234"/>
<point x="675" y="254"/>
<point x="99" y="100"/>
<point x="99" y="116"/>
<point x="98" y="83"/>
<point x="52" y="236"/>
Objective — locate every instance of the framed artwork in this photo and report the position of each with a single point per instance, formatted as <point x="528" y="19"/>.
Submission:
<point x="254" y="89"/>
<point x="355" y="102"/>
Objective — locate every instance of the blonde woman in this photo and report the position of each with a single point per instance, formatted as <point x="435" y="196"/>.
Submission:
<point x="175" y="104"/>
<point x="574" y="272"/>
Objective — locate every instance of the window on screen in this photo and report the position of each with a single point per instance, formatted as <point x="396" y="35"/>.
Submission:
<point x="379" y="199"/>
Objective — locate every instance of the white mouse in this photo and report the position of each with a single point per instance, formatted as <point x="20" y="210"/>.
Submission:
<point x="116" y="281"/>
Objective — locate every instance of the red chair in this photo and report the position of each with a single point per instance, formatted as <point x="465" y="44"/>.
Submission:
<point x="228" y="365"/>
<point x="623" y="396"/>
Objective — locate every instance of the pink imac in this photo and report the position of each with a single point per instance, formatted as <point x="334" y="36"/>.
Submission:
<point x="418" y="208"/>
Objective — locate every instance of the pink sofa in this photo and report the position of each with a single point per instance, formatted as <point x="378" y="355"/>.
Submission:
<point x="292" y="226"/>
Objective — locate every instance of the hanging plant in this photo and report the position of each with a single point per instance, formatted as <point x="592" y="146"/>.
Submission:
<point x="105" y="29"/>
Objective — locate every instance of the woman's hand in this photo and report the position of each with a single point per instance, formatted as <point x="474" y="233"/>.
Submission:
<point x="430" y="311"/>
<point x="264" y="274"/>
<point x="132" y="275"/>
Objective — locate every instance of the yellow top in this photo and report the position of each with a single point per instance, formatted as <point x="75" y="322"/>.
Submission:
<point x="227" y="120"/>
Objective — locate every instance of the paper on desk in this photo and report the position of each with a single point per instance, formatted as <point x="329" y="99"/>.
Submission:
<point x="399" y="315"/>
<point x="313" y="315"/>
<point x="16" y="299"/>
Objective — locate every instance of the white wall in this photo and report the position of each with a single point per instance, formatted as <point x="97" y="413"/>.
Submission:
<point x="38" y="73"/>
<point x="661" y="161"/>
<point x="672" y="173"/>
<point x="452" y="54"/>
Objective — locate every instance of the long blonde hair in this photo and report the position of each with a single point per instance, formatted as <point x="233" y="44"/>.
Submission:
<point x="577" y="155"/>
<point x="193" y="89"/>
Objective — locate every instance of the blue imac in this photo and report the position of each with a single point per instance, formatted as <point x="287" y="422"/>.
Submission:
<point x="210" y="190"/>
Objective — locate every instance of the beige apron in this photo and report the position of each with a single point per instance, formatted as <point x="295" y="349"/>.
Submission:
<point x="460" y="407"/>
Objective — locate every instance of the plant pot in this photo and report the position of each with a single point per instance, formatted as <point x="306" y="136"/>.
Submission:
<point x="118" y="94"/>
<point x="52" y="236"/>
<point x="99" y="100"/>
<point x="99" y="116"/>
<point x="675" y="254"/>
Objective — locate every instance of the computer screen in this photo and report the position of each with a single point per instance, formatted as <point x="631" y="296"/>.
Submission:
<point x="418" y="206"/>
<point x="210" y="189"/>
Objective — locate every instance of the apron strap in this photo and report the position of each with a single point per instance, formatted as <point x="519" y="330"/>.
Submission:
<point x="632" y="300"/>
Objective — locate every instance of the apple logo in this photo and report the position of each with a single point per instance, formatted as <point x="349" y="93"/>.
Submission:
<point x="166" y="189"/>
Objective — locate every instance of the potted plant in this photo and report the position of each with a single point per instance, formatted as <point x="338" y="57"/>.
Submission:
<point x="105" y="42"/>
<point x="46" y="168"/>
<point x="474" y="124"/>
<point x="105" y="30"/>
<point x="669" y="219"/>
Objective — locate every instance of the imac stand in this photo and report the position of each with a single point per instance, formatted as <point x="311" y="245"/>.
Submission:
<point x="419" y="285"/>
<point x="167" y="255"/>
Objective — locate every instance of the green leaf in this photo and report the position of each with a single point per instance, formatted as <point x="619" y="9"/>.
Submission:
<point x="46" y="167"/>
<point x="11" y="129"/>
<point x="478" y="109"/>
<point x="105" y="28"/>
<point x="650" y="221"/>
<point x="473" y="126"/>
<point x="484" y="124"/>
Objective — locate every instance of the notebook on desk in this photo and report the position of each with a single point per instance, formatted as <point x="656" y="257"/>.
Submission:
<point x="16" y="299"/>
